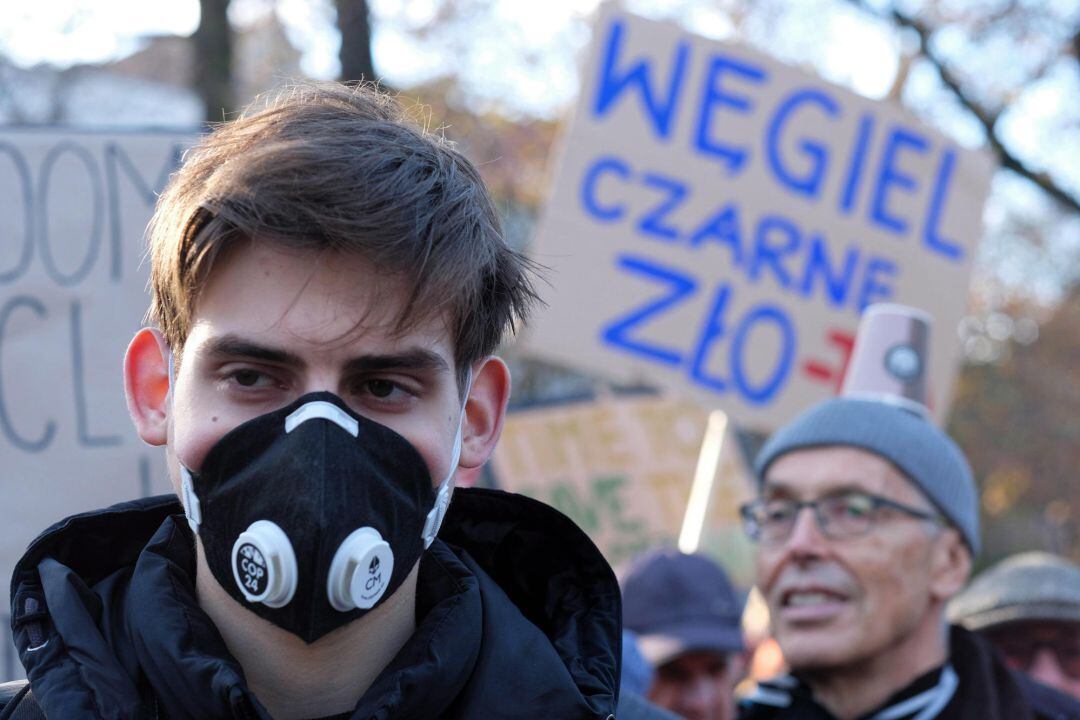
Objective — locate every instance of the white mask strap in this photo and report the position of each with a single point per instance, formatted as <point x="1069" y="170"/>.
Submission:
<point x="192" y="510"/>
<point x="446" y="487"/>
<point x="172" y="377"/>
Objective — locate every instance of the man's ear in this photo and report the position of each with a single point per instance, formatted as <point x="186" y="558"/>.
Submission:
<point x="485" y="411"/>
<point x="950" y="564"/>
<point x="146" y="385"/>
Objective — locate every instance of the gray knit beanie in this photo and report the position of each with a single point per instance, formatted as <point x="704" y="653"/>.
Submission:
<point x="925" y="454"/>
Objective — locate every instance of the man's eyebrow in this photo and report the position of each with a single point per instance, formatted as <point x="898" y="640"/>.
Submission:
<point x="413" y="359"/>
<point x="234" y="346"/>
<point x="776" y="487"/>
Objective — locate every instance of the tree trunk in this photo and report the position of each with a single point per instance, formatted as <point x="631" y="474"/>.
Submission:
<point x="355" y="27"/>
<point x="213" y="60"/>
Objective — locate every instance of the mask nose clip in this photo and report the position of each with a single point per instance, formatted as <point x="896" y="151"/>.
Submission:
<point x="264" y="564"/>
<point x="360" y="571"/>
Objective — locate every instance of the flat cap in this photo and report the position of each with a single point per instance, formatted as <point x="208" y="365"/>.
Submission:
<point x="1027" y="587"/>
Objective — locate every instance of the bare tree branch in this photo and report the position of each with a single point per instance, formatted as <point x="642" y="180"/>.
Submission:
<point x="982" y="25"/>
<point x="986" y="118"/>
<point x="903" y="71"/>
<point x="213" y="42"/>
<point x="354" y="24"/>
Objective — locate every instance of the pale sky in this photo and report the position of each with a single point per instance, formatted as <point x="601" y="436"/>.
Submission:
<point x="65" y="32"/>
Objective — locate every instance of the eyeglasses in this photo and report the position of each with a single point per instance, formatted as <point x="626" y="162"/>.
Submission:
<point x="840" y="516"/>
<point x="1020" y="651"/>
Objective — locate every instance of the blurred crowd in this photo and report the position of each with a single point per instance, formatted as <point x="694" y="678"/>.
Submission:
<point x="866" y="529"/>
<point x="686" y="648"/>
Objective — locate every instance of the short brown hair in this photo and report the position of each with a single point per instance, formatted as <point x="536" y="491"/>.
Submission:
<point x="329" y="167"/>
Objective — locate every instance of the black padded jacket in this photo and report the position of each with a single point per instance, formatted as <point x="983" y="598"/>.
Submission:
<point x="518" y="616"/>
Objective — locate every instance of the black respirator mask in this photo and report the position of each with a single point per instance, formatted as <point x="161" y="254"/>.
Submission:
<point x="311" y="515"/>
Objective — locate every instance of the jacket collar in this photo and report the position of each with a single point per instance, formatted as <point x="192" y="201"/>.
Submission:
<point x="923" y="699"/>
<point x="536" y="565"/>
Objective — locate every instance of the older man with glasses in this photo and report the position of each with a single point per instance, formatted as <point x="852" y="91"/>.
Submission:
<point x="866" y="524"/>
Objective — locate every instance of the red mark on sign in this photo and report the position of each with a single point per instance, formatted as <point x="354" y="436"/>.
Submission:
<point x="823" y="372"/>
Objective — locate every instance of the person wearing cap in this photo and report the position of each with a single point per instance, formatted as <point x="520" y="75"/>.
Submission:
<point x="686" y="618"/>
<point x="635" y="679"/>
<point x="866" y="524"/>
<point x="1028" y="607"/>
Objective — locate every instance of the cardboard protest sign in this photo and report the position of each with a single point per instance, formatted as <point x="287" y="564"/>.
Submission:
<point x="718" y="221"/>
<point x="622" y="469"/>
<point x="73" y="209"/>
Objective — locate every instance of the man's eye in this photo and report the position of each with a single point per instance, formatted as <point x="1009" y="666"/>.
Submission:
<point x="1069" y="649"/>
<point x="716" y="669"/>
<point x="380" y="388"/>
<point x="777" y="512"/>
<point x="247" y="378"/>
<point x="673" y="673"/>
<point x="855" y="507"/>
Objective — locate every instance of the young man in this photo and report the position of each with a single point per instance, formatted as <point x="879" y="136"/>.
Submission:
<point x="866" y="524"/>
<point x="328" y="283"/>
<point x="1028" y="607"/>
<point x="687" y="619"/>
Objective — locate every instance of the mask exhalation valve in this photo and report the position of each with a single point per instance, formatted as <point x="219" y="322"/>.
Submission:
<point x="360" y="571"/>
<point x="264" y="564"/>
